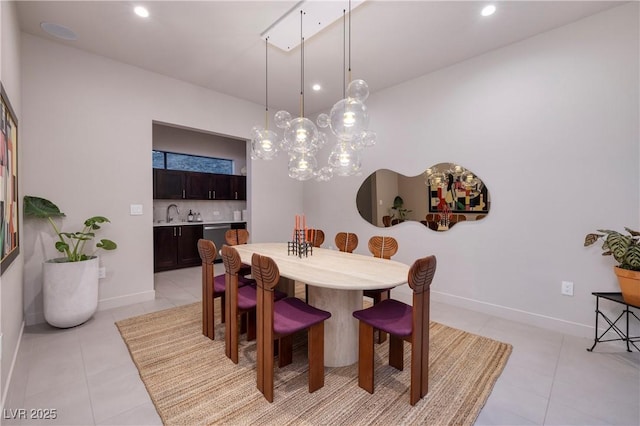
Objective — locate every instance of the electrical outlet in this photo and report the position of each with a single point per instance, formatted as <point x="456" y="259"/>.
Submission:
<point x="102" y="272"/>
<point x="567" y="288"/>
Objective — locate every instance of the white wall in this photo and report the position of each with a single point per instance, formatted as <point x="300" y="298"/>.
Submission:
<point x="87" y="140"/>
<point x="11" y="312"/>
<point x="551" y="125"/>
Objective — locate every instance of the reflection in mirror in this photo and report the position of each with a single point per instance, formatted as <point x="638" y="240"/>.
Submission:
<point x="439" y="198"/>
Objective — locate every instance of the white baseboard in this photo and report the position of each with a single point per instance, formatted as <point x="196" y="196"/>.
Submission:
<point x="113" y="302"/>
<point x="556" y="324"/>
<point x="5" y="391"/>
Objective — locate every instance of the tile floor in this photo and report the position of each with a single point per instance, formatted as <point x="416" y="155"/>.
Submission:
<point x="87" y="376"/>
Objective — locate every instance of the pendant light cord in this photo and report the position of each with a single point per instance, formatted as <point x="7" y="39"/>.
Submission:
<point x="344" y="53"/>
<point x="349" y="41"/>
<point x="266" y="83"/>
<point x="301" y="67"/>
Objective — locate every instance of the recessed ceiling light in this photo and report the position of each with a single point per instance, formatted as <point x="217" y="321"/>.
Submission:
<point x="59" y="31"/>
<point x="316" y="87"/>
<point x="488" y="10"/>
<point x="141" y="11"/>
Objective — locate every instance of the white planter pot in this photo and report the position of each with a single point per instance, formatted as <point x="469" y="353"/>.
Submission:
<point x="70" y="292"/>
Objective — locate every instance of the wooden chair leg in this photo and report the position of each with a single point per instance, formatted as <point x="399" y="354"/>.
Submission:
<point x="315" y="337"/>
<point x="243" y="323"/>
<point x="229" y="330"/>
<point x="222" y="307"/>
<point x="208" y="310"/>
<point x="268" y="371"/>
<point x="396" y="352"/>
<point x="382" y="336"/>
<point x="285" y="356"/>
<point x="365" y="357"/>
<point x="251" y="325"/>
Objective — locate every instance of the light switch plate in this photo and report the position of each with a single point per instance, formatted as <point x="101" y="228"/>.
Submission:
<point x="136" y="210"/>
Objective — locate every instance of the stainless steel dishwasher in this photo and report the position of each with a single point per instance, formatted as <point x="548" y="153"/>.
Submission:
<point x="216" y="233"/>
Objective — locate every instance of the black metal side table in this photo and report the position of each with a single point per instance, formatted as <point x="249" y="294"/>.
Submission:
<point x="623" y="335"/>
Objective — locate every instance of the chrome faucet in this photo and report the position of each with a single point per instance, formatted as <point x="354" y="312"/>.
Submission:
<point x="169" y="218"/>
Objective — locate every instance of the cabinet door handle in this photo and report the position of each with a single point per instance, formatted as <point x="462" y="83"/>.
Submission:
<point x="236" y="195"/>
<point x="180" y="231"/>
<point x="214" y="194"/>
<point x="183" y="196"/>
<point x="174" y="231"/>
<point x="209" y="194"/>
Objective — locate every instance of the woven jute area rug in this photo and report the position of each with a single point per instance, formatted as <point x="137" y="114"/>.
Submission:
<point x="192" y="382"/>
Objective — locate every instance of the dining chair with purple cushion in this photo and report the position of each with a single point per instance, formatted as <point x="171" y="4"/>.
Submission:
<point x="234" y="237"/>
<point x="402" y="322"/>
<point x="240" y="301"/>
<point x="384" y="248"/>
<point x="212" y="287"/>
<point x="280" y="320"/>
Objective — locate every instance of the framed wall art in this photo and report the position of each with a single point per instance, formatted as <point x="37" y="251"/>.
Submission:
<point x="9" y="238"/>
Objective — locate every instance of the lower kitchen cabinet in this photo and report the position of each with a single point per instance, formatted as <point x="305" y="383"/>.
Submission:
<point x="176" y="247"/>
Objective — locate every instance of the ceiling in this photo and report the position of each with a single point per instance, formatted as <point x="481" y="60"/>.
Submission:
<point x="217" y="44"/>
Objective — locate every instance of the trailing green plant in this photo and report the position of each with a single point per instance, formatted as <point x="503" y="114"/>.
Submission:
<point x="624" y="248"/>
<point x="72" y="244"/>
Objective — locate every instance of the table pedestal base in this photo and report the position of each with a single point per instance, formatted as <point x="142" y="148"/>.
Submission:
<point x="341" y="330"/>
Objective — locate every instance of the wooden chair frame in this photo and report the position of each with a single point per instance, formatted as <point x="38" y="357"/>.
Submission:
<point x="420" y="276"/>
<point x="315" y="237"/>
<point x="266" y="273"/>
<point x="346" y="242"/>
<point x="207" y="251"/>
<point x="232" y="264"/>
<point x="381" y="247"/>
<point x="235" y="237"/>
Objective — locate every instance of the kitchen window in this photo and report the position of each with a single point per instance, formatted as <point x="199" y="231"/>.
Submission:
<point x="191" y="163"/>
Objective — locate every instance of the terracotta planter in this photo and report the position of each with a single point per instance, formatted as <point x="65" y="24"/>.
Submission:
<point x="629" y="285"/>
<point x="70" y="292"/>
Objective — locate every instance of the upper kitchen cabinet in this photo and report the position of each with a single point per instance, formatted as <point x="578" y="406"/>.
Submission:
<point x="209" y="186"/>
<point x="168" y="184"/>
<point x="173" y="184"/>
<point x="238" y="187"/>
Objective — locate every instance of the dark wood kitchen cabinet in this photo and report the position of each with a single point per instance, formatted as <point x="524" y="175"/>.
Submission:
<point x="176" y="247"/>
<point x="173" y="184"/>
<point x="238" y="187"/>
<point x="168" y="184"/>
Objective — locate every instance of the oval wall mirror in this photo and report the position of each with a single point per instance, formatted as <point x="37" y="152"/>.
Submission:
<point x="439" y="198"/>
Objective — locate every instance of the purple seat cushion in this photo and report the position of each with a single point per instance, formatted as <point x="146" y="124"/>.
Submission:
<point x="247" y="297"/>
<point x="389" y="315"/>
<point x="219" y="284"/>
<point x="292" y="314"/>
<point x="245" y="281"/>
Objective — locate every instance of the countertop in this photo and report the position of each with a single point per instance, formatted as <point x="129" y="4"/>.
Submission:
<point x="206" y="222"/>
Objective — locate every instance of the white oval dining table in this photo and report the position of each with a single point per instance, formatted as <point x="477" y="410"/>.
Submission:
<point x="336" y="281"/>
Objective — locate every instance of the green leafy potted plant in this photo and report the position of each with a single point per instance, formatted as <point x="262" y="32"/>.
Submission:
<point x="625" y="249"/>
<point x="398" y="206"/>
<point x="70" y="283"/>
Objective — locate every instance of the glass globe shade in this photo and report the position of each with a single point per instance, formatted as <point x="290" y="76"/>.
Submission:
<point x="302" y="166"/>
<point x="358" y="89"/>
<point x="323" y="120"/>
<point x="438" y="180"/>
<point x="324" y="174"/>
<point x="349" y="118"/>
<point x="282" y="119"/>
<point x="264" y="144"/>
<point x="344" y="160"/>
<point x="301" y="135"/>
